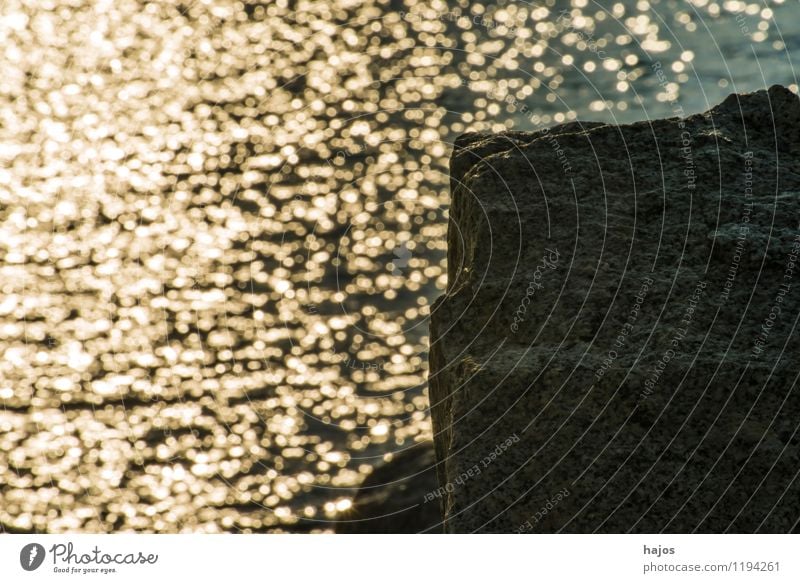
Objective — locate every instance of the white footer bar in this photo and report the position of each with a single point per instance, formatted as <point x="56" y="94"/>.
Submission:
<point x="398" y="558"/>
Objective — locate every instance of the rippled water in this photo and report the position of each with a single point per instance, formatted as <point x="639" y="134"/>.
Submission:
<point x="222" y="225"/>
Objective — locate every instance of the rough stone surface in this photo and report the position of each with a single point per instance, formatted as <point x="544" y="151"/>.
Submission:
<point x="616" y="350"/>
<point x="393" y="497"/>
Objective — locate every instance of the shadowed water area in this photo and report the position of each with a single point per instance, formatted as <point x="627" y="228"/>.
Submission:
<point x="222" y="226"/>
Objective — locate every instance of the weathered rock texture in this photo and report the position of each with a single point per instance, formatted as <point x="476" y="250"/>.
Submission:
<point x="617" y="350"/>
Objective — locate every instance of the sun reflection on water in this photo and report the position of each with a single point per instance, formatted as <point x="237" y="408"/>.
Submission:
<point x="222" y="226"/>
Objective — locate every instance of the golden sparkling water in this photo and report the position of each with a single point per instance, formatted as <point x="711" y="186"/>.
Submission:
<point x="222" y="227"/>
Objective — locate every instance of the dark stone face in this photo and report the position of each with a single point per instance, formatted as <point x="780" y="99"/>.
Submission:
<point x="621" y="314"/>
